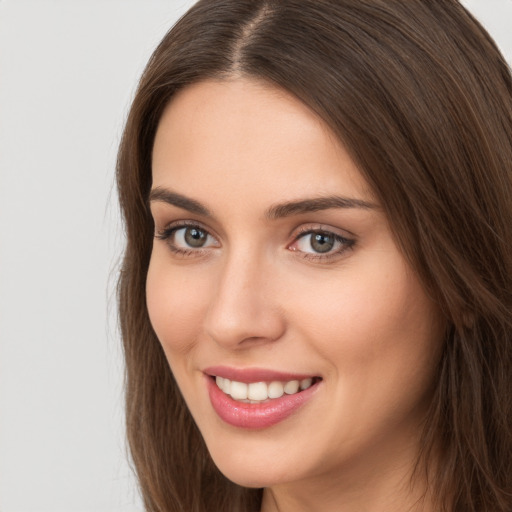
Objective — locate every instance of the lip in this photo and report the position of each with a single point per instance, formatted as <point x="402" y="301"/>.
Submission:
<point x="248" y="375"/>
<point x="257" y="416"/>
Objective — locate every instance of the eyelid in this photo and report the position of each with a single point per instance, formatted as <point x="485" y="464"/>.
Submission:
<point x="177" y="224"/>
<point x="347" y="242"/>
<point x="306" y="229"/>
<point x="166" y="234"/>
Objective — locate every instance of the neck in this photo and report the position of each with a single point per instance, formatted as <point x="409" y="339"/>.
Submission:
<point x="398" y="498"/>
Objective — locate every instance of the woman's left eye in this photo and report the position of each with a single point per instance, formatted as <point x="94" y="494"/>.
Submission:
<point x="319" y="243"/>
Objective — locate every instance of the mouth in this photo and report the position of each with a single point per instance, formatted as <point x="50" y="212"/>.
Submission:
<point x="262" y="392"/>
<point x="255" y="399"/>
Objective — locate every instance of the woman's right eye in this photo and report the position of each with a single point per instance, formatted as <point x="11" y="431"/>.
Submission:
<point x="187" y="239"/>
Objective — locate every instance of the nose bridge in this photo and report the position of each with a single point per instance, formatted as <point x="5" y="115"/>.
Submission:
<point x="243" y="308"/>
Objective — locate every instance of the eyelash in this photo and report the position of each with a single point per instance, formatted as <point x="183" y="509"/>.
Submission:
<point x="168" y="233"/>
<point x="346" y="243"/>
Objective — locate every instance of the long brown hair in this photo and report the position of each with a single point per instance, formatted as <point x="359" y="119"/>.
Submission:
<point x="422" y="99"/>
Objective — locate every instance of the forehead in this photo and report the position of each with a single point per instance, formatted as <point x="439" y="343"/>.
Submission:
<point x="244" y="138"/>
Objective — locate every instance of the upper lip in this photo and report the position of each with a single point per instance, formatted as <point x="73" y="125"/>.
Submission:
<point x="249" y="375"/>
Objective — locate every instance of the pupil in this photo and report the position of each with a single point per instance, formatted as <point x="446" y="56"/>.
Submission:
<point x="322" y="242"/>
<point x="195" y="237"/>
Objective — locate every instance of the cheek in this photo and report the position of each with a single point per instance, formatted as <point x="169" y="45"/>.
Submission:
<point x="176" y="301"/>
<point x="374" y="324"/>
<point x="381" y="337"/>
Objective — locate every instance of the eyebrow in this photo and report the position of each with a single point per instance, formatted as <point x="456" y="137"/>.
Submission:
<point x="316" y="204"/>
<point x="277" y="211"/>
<point x="166" y="196"/>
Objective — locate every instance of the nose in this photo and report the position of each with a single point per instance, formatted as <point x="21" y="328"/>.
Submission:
<point x="244" y="308"/>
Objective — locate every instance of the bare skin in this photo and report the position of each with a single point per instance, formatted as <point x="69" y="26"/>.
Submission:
<point x="324" y="292"/>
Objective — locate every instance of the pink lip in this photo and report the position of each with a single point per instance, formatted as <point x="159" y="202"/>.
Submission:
<point x="256" y="416"/>
<point x="249" y="375"/>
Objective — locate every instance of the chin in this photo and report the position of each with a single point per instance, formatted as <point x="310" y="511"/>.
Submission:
<point x="246" y="477"/>
<point x="249" y="471"/>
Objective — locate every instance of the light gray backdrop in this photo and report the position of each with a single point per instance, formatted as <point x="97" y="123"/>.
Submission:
<point x="68" y="69"/>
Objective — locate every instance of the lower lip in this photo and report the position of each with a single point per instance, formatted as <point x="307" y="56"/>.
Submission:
<point x="253" y="416"/>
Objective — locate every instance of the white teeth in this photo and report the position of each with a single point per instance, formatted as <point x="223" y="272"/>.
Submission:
<point x="257" y="392"/>
<point x="226" y="386"/>
<point x="305" y="383"/>
<point x="238" y="390"/>
<point x="291" y="387"/>
<point x="275" y="390"/>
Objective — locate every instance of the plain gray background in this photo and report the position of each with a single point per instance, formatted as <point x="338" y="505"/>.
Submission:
<point x="68" y="69"/>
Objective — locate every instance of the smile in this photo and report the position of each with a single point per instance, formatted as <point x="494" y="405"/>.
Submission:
<point x="256" y="399"/>
<point x="260" y="392"/>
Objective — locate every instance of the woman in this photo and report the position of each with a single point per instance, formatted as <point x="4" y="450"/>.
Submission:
<point x="316" y="292"/>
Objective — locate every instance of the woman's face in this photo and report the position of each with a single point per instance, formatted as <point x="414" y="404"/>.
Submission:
<point x="274" y="269"/>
